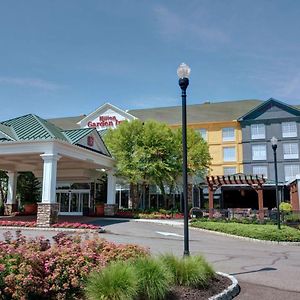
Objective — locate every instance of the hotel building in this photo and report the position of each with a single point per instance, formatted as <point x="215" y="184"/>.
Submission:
<point x="68" y="154"/>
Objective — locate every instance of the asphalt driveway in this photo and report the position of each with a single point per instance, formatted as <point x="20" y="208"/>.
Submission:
<point x="264" y="271"/>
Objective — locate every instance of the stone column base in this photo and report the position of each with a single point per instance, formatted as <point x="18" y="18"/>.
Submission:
<point x="47" y="214"/>
<point x="110" y="209"/>
<point x="10" y="208"/>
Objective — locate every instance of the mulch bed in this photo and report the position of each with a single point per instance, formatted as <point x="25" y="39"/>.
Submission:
<point x="215" y="286"/>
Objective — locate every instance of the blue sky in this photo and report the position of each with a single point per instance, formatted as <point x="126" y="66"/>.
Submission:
<point x="67" y="57"/>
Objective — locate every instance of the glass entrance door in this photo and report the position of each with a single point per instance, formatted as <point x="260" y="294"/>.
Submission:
<point x="72" y="202"/>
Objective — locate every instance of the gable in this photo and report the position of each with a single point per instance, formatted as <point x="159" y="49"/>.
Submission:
<point x="94" y="142"/>
<point x="271" y="109"/>
<point x="106" y="116"/>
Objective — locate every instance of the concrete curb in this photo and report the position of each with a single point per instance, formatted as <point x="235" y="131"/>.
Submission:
<point x="247" y="238"/>
<point x="76" y="230"/>
<point x="229" y="293"/>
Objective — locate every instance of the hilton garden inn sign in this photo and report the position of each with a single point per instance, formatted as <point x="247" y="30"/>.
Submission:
<point x="105" y="117"/>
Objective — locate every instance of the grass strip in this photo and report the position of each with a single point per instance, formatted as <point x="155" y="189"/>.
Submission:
<point x="256" y="231"/>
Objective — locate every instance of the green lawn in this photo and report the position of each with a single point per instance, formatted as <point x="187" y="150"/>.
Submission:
<point x="256" y="231"/>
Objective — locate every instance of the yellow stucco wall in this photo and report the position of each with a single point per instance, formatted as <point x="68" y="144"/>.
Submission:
<point x="216" y="145"/>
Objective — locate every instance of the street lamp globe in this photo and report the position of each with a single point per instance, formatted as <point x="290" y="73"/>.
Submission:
<point x="274" y="141"/>
<point x="183" y="71"/>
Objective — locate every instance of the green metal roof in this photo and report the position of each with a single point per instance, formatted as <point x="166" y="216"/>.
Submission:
<point x="76" y="135"/>
<point x="103" y="132"/>
<point x="7" y="132"/>
<point x="32" y="127"/>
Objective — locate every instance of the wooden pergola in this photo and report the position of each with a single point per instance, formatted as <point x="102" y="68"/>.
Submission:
<point x="255" y="182"/>
<point x="294" y="196"/>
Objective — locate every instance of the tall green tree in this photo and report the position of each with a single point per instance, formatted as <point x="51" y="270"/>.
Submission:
<point x="151" y="153"/>
<point x="124" y="142"/>
<point x="157" y="155"/>
<point x="198" y="155"/>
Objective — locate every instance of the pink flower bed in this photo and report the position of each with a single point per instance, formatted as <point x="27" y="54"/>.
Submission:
<point x="18" y="223"/>
<point x="57" y="225"/>
<point x="38" y="269"/>
<point x="75" y="225"/>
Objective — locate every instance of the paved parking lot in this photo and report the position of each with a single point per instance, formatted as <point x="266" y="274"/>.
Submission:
<point x="264" y="271"/>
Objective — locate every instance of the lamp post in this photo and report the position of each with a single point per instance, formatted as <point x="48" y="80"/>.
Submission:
<point x="183" y="73"/>
<point x="274" y="147"/>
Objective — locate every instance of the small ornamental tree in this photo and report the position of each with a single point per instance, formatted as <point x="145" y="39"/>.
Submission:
<point x="28" y="187"/>
<point x="3" y="190"/>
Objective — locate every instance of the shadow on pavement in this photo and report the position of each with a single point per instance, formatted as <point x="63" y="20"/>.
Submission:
<point x="254" y="271"/>
<point x="107" y="222"/>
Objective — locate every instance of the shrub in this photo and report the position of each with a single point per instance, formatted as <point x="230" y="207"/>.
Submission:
<point x="191" y="271"/>
<point x="34" y="268"/>
<point x="285" y="207"/>
<point x="118" y="281"/>
<point x="293" y="217"/>
<point x="153" y="278"/>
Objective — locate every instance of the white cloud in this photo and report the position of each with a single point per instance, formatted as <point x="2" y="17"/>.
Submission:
<point x="30" y="82"/>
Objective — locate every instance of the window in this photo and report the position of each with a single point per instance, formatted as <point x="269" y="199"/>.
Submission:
<point x="289" y="129"/>
<point x="260" y="170"/>
<point x="290" y="171"/>
<point x="228" y="134"/>
<point x="290" y="150"/>
<point x="259" y="152"/>
<point x="229" y="153"/>
<point x="258" y="131"/>
<point x="229" y="170"/>
<point x="203" y="133"/>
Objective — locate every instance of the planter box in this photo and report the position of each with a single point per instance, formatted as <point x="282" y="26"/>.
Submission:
<point x="99" y="210"/>
<point x="30" y="209"/>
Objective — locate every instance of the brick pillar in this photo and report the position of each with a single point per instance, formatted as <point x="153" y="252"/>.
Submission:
<point x="260" y="204"/>
<point x="211" y="202"/>
<point x="47" y="214"/>
<point x="294" y="197"/>
<point x="10" y="208"/>
<point x="11" y="203"/>
<point x="110" y="209"/>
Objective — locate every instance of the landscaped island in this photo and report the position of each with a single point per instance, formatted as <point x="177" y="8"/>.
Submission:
<point x="90" y="269"/>
<point x="268" y="232"/>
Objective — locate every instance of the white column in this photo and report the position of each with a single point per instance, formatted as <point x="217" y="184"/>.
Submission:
<point x="49" y="177"/>
<point x="12" y="187"/>
<point x="111" y="187"/>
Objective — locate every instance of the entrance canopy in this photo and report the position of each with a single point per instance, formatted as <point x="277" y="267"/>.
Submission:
<point x="30" y="143"/>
